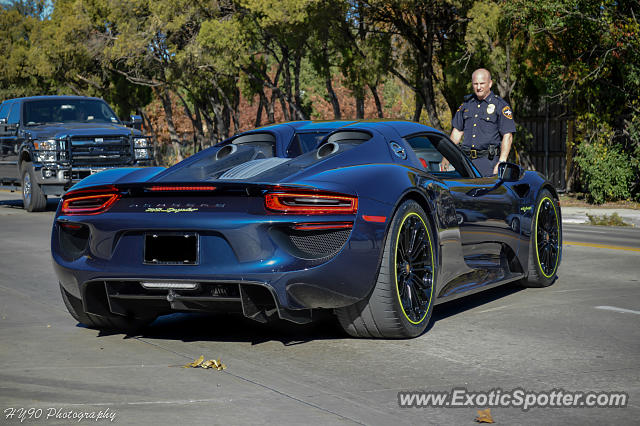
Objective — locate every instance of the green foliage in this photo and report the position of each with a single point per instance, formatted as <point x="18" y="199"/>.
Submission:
<point x="606" y="220"/>
<point x="607" y="172"/>
<point x="211" y="56"/>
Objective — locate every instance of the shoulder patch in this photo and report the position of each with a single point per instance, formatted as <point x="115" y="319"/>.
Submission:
<point x="506" y="111"/>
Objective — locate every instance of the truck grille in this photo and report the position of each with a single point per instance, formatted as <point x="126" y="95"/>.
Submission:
<point x="98" y="151"/>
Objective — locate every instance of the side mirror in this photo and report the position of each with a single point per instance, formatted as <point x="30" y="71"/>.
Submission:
<point x="135" y="122"/>
<point x="510" y="172"/>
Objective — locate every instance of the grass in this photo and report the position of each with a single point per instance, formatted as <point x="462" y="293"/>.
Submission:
<point x="606" y="220"/>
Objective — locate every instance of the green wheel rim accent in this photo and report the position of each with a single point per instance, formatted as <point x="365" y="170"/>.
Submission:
<point x="547" y="237"/>
<point x="414" y="268"/>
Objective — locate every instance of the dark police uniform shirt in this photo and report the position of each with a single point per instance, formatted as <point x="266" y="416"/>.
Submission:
<point x="484" y="123"/>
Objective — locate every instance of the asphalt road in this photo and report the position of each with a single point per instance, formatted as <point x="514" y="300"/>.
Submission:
<point x="581" y="334"/>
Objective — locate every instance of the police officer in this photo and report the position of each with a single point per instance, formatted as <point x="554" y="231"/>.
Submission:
<point x="486" y="120"/>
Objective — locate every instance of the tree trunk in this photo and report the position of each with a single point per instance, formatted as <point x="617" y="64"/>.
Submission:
<point x="259" y="111"/>
<point x="165" y="97"/>
<point x="221" y="128"/>
<point x="359" y="106"/>
<point x="288" y="93"/>
<point x="426" y="81"/>
<point x="210" y="133"/>
<point x="154" y="134"/>
<point x="270" y="106"/>
<point x="196" y="123"/>
<point x="418" y="111"/>
<point x="233" y="107"/>
<point x="296" y="82"/>
<point x="376" y="98"/>
<point x="199" y="136"/>
<point x="335" y="103"/>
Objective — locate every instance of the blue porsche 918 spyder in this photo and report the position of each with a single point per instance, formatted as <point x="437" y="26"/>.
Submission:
<point x="285" y="220"/>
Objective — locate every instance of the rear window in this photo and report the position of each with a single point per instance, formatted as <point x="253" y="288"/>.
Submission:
<point x="304" y="142"/>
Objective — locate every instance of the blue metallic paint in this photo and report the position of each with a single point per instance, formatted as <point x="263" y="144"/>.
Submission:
<point x="234" y="231"/>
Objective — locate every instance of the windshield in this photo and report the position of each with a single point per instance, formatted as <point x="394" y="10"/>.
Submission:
<point x="68" y="111"/>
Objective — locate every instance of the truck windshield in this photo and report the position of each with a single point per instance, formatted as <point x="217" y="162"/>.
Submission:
<point x="44" y="111"/>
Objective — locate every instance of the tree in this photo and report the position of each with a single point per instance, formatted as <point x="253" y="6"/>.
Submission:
<point x="587" y="53"/>
<point x="423" y="29"/>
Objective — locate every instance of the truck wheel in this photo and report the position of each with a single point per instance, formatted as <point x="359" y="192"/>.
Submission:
<point x="115" y="322"/>
<point x="33" y="199"/>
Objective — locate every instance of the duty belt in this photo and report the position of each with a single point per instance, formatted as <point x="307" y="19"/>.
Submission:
<point x="490" y="152"/>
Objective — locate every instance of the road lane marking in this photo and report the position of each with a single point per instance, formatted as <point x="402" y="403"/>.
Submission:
<point x="605" y="246"/>
<point x="616" y="309"/>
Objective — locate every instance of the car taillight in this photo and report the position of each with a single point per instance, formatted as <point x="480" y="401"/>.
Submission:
<point x="311" y="203"/>
<point x="89" y="201"/>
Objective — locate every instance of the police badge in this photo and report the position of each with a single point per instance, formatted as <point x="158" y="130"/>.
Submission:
<point x="491" y="108"/>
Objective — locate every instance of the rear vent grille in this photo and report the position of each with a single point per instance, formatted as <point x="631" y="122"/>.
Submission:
<point x="318" y="244"/>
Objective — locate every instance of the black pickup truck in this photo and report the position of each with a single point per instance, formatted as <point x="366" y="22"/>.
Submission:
<point x="50" y="142"/>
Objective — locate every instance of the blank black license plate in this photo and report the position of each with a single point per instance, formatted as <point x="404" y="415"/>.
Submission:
<point x="178" y="248"/>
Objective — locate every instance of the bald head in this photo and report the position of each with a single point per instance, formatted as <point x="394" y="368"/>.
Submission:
<point x="481" y="81"/>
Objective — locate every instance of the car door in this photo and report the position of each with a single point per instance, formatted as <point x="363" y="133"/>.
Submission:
<point x="9" y="120"/>
<point x="484" y="206"/>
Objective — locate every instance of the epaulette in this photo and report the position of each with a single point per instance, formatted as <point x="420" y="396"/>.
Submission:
<point x="467" y="97"/>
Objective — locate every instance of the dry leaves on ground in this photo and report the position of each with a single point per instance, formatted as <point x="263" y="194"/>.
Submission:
<point x="484" y="416"/>
<point x="201" y="363"/>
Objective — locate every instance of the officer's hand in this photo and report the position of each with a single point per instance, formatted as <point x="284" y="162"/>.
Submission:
<point x="495" y="168"/>
<point x="444" y="165"/>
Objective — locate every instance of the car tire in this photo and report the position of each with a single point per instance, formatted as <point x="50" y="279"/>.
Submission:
<point x="545" y="247"/>
<point x="126" y="324"/>
<point x="407" y="270"/>
<point x="33" y="199"/>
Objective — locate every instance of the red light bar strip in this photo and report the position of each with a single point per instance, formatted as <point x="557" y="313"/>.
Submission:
<point x="180" y="188"/>
<point x="380" y="219"/>
<point x="323" y="226"/>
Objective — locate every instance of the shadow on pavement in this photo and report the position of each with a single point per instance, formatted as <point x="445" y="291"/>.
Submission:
<point x="190" y="327"/>
<point x="52" y="203"/>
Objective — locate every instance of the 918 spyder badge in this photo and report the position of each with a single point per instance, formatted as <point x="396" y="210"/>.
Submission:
<point x="491" y="108"/>
<point x="169" y="210"/>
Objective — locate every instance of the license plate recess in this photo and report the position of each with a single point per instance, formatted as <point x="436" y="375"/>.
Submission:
<point x="171" y="248"/>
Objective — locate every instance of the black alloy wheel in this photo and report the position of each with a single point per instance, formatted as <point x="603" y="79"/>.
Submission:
<point x="545" y="248"/>
<point x="401" y="302"/>
<point x="414" y="269"/>
<point x="547" y="240"/>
